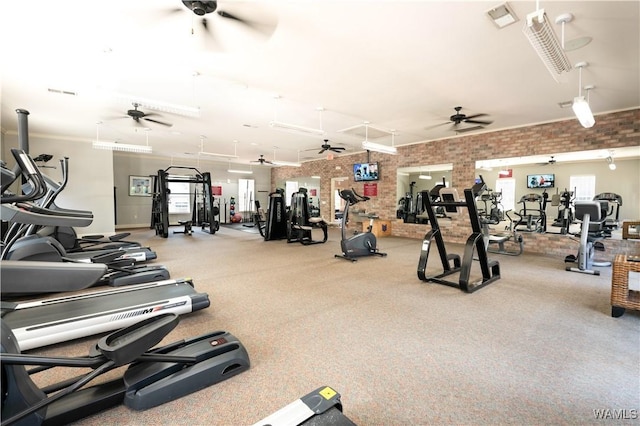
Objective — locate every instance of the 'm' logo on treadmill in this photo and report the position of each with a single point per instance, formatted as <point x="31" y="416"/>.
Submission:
<point x="218" y="342"/>
<point x="147" y="311"/>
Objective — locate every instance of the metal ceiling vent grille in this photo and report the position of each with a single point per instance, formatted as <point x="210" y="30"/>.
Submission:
<point x="365" y="131"/>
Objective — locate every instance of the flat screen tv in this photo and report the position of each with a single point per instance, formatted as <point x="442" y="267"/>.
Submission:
<point x="365" y="172"/>
<point x="541" y="181"/>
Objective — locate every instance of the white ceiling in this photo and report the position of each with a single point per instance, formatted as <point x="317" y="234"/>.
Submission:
<point x="400" y="65"/>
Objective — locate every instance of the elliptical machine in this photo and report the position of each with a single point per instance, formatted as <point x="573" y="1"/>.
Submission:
<point x="363" y="244"/>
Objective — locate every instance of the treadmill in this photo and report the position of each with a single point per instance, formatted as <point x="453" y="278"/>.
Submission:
<point x="59" y="319"/>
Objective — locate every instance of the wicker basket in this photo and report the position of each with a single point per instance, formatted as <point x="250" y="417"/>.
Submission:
<point x="626" y="231"/>
<point x="621" y="297"/>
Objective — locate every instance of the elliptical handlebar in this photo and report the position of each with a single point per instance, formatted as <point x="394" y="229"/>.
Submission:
<point x="29" y="170"/>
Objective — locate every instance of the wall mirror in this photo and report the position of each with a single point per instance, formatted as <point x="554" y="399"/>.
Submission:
<point x="311" y="183"/>
<point x="554" y="182"/>
<point x="411" y="184"/>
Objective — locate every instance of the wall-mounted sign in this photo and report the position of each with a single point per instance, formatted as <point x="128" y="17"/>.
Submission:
<point x="370" y="189"/>
<point x="505" y="174"/>
<point x="216" y="190"/>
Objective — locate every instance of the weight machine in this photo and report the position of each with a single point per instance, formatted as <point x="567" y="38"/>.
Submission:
<point x="300" y="223"/>
<point x="203" y="214"/>
<point x="275" y="227"/>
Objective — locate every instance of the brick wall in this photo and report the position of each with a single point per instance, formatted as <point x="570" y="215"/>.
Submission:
<point x="613" y="130"/>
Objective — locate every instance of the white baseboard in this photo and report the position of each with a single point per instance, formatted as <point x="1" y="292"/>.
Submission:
<point x="132" y="225"/>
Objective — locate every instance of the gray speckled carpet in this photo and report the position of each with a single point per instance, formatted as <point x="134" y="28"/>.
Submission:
<point x="536" y="347"/>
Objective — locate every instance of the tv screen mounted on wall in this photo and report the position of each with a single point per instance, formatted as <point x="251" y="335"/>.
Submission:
<point x="365" y="172"/>
<point x="541" y="181"/>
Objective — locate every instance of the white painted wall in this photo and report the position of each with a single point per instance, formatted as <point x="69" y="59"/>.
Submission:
<point x="90" y="184"/>
<point x="136" y="211"/>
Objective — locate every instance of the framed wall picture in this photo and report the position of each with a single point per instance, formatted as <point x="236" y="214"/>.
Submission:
<point x="140" y="186"/>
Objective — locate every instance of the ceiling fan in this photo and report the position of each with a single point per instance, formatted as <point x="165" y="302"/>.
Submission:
<point x="138" y="115"/>
<point x="326" y="147"/>
<point x="202" y="8"/>
<point x="459" y="118"/>
<point x="262" y="160"/>
<point x="552" y="160"/>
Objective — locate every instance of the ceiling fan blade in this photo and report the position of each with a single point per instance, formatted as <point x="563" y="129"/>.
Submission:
<point x="157" y="122"/>
<point x="266" y="28"/>
<point x="337" y="148"/>
<point x="467" y="129"/>
<point x="173" y="11"/>
<point x="475" y="115"/>
<point x="230" y="16"/>
<point x="321" y="151"/>
<point x="116" y="117"/>
<point x="486" y="123"/>
<point x="437" y="125"/>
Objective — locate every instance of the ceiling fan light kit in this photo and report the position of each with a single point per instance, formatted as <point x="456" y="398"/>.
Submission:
<point x="114" y="146"/>
<point x="201" y="8"/>
<point x="185" y="110"/>
<point x="540" y="34"/>
<point x="327" y="147"/>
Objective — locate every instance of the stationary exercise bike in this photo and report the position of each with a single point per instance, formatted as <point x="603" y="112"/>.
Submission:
<point x="591" y="232"/>
<point x="364" y="244"/>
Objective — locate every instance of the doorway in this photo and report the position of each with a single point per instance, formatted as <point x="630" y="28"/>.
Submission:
<point x="337" y="203"/>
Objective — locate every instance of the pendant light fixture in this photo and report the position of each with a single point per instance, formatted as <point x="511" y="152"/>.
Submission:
<point x="580" y="105"/>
